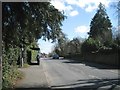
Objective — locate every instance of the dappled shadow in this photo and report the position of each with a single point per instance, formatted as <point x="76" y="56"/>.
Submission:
<point x="72" y="61"/>
<point x="92" y="64"/>
<point x="50" y="59"/>
<point x="92" y="84"/>
<point x="84" y="84"/>
<point x="101" y="66"/>
<point x="34" y="63"/>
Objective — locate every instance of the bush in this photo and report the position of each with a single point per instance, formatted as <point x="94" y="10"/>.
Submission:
<point x="94" y="46"/>
<point x="9" y="68"/>
<point x="90" y="45"/>
<point x="110" y="48"/>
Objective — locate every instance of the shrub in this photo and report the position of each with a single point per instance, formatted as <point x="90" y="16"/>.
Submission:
<point x="9" y="68"/>
<point x="109" y="48"/>
<point x="90" y="45"/>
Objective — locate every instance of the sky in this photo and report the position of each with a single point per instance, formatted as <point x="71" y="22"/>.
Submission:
<point x="79" y="15"/>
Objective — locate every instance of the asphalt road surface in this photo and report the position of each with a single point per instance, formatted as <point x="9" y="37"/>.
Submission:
<point x="67" y="74"/>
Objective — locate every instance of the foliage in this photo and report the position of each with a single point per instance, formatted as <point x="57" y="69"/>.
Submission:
<point x="26" y="22"/>
<point x="68" y="47"/>
<point x="9" y="68"/>
<point x="91" y="45"/>
<point x="23" y="24"/>
<point x="34" y="55"/>
<point x="76" y="45"/>
<point x="116" y="6"/>
<point x="100" y="35"/>
<point x="111" y="48"/>
<point x="95" y="46"/>
<point x="60" y="46"/>
<point x="100" y="26"/>
<point x="117" y="40"/>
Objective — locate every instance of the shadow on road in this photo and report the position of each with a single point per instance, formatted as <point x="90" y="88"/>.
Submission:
<point x="92" y="84"/>
<point x="87" y="84"/>
<point x="34" y="63"/>
<point x="37" y="88"/>
<point x="91" y="64"/>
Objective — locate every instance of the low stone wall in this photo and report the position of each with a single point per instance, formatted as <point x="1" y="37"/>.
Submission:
<point x="110" y="59"/>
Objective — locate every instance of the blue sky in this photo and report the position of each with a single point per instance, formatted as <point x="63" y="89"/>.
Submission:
<point x="79" y="15"/>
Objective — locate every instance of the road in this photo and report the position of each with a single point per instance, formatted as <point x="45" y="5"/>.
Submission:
<point x="34" y="79"/>
<point x="79" y="75"/>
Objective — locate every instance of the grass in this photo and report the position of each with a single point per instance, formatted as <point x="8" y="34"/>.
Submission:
<point x="26" y="65"/>
<point x="20" y="76"/>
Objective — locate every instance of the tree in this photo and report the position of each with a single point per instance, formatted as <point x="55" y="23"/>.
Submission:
<point x="118" y="35"/>
<point x="25" y="22"/>
<point x="65" y="47"/>
<point x="74" y="46"/>
<point x="100" y="26"/>
<point x="116" y="30"/>
<point x="60" y="47"/>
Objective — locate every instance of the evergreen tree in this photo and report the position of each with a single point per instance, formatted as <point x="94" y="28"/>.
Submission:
<point x="100" y="26"/>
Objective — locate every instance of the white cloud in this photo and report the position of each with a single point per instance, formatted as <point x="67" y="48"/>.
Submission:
<point x="90" y="8"/>
<point x="87" y="5"/>
<point x="82" y="29"/>
<point x="60" y="5"/>
<point x="90" y="5"/>
<point x="72" y="2"/>
<point x="74" y="13"/>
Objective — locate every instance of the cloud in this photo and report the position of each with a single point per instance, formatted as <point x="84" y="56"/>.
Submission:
<point x="74" y="13"/>
<point x="61" y="6"/>
<point x="90" y="5"/>
<point x="58" y="4"/>
<point x="90" y="8"/>
<point x="82" y="29"/>
<point x="87" y="5"/>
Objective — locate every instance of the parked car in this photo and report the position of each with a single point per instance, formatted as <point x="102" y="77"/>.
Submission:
<point x="55" y="56"/>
